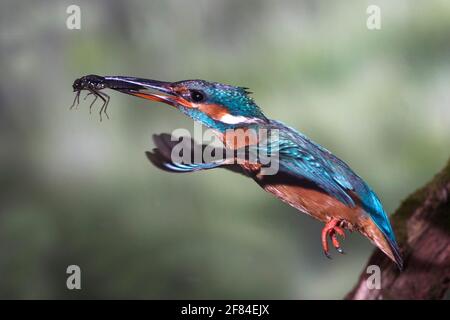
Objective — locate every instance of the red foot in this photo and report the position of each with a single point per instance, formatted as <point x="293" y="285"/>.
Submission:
<point x="331" y="228"/>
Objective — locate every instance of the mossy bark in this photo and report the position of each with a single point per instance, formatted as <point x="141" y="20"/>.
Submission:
<point x="422" y="227"/>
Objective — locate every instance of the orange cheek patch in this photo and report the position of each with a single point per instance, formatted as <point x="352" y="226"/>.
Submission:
<point x="214" y="111"/>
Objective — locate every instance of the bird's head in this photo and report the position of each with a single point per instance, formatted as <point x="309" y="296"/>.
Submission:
<point x="216" y="105"/>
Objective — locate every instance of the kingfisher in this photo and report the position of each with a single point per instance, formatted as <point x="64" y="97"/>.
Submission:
<point x="308" y="177"/>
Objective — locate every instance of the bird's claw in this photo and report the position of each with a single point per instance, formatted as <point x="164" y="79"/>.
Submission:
<point x="331" y="229"/>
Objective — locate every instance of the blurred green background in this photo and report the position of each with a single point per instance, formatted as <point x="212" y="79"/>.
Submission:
<point x="77" y="191"/>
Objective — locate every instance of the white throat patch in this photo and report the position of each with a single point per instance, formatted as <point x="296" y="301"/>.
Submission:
<point x="230" y="119"/>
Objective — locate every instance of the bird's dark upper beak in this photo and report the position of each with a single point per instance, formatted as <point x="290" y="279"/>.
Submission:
<point x="145" y="88"/>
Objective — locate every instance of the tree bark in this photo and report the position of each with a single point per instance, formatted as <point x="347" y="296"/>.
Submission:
<point x="422" y="227"/>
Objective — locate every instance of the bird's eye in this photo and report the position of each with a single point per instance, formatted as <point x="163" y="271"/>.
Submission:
<point x="197" y="96"/>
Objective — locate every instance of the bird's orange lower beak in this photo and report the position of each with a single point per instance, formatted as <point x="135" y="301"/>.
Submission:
<point x="168" y="99"/>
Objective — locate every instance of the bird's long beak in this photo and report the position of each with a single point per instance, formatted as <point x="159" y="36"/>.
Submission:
<point x="145" y="88"/>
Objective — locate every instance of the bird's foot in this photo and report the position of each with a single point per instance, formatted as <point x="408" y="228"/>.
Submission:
<point x="331" y="228"/>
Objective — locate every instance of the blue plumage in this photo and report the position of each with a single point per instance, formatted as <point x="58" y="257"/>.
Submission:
<point x="310" y="177"/>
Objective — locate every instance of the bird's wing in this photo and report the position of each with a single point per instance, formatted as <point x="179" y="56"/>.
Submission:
<point x="161" y="156"/>
<point x="300" y="157"/>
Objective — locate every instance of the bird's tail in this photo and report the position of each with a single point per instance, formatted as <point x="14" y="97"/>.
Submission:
<point x="377" y="226"/>
<point x="384" y="242"/>
<point x="381" y="234"/>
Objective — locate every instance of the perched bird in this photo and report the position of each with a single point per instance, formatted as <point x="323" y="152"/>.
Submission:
<point x="308" y="177"/>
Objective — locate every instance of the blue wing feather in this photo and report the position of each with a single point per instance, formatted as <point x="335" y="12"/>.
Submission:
<point x="181" y="167"/>
<point x="300" y="156"/>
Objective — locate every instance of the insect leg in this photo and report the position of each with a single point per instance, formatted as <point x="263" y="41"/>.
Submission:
<point x="77" y="98"/>
<point x="93" y="101"/>
<point x="106" y="102"/>
<point x="103" y="105"/>
<point x="89" y="93"/>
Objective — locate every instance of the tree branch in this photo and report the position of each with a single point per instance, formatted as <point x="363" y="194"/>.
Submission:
<point x="422" y="226"/>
